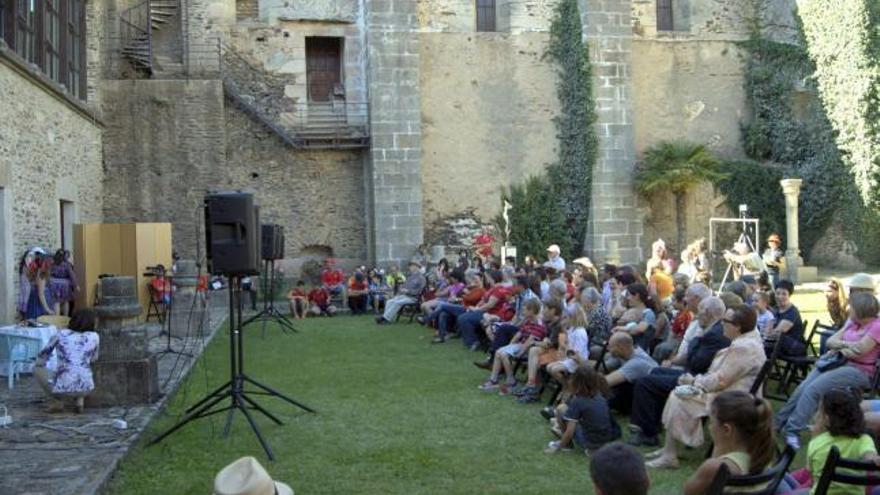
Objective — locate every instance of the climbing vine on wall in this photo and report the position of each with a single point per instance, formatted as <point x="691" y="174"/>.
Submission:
<point x="571" y="176"/>
<point x="843" y="38"/>
<point x="792" y="130"/>
<point x="565" y="189"/>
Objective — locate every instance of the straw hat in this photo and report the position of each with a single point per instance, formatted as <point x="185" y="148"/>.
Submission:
<point x="584" y="261"/>
<point x="862" y="281"/>
<point x="247" y="477"/>
<point x="553" y="248"/>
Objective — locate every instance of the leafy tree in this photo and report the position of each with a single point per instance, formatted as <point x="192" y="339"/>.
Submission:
<point x="677" y="167"/>
<point x="536" y="220"/>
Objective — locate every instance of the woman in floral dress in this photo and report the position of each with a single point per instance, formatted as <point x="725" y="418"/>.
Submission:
<point x="75" y="348"/>
<point x="62" y="282"/>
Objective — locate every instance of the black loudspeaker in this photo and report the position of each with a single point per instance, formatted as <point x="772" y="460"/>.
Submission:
<point x="279" y="239"/>
<point x="272" y="239"/>
<point x="269" y="244"/>
<point x="232" y="238"/>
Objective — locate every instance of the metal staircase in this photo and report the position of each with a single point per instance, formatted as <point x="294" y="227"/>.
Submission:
<point x="138" y="24"/>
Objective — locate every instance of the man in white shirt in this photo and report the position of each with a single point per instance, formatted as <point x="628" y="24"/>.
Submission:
<point x="553" y="259"/>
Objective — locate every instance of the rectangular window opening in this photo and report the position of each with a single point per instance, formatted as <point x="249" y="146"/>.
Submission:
<point x="664" y="15"/>
<point x="486" y="16"/>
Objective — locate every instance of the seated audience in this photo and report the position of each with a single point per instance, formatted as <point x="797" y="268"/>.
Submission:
<point x="585" y="419"/>
<point x="531" y="331"/>
<point x="493" y="302"/>
<point x="635" y="364"/>
<point x="554" y="260"/>
<point x="358" y="291"/>
<point x="75" y="347"/>
<point x="617" y="469"/>
<point x="298" y="301"/>
<point x="855" y="350"/>
<point x="836" y="302"/>
<point x="319" y="298"/>
<point x="408" y="293"/>
<point x="734" y="368"/>
<point x="766" y="321"/>
<point x="446" y="313"/>
<point x="789" y="326"/>
<point x="741" y="427"/>
<point x="703" y="339"/>
<point x="571" y="338"/>
<point x="499" y="333"/>
<point x="679" y="324"/>
<point x="839" y="423"/>
<point x="379" y="291"/>
<point x="660" y="283"/>
<point x="449" y="291"/>
<point x="394" y="278"/>
<point x="641" y="330"/>
<point x="332" y="278"/>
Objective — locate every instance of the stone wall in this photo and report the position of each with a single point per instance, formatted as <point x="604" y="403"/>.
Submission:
<point x="688" y="90"/>
<point x="613" y="214"/>
<point x="487" y="104"/>
<point x="459" y="16"/>
<point x="48" y="152"/>
<point x="168" y="142"/>
<point x="395" y="174"/>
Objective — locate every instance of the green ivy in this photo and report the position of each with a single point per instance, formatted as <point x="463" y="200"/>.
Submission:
<point x="572" y="175"/>
<point x="798" y="141"/>
<point x="843" y="40"/>
<point x="536" y="220"/>
<point x="566" y="186"/>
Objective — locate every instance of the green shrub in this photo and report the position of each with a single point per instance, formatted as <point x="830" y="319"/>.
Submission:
<point x="536" y="220"/>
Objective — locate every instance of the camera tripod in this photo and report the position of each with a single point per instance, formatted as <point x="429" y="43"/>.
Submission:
<point x="269" y="311"/>
<point x="234" y="389"/>
<point x="169" y="308"/>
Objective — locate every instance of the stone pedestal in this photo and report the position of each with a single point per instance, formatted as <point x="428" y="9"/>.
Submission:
<point x="125" y="372"/>
<point x="188" y="313"/>
<point x="794" y="264"/>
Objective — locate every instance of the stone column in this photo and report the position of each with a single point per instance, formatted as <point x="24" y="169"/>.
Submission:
<point x="792" y="190"/>
<point x="613" y="213"/>
<point x="189" y="315"/>
<point x="395" y="167"/>
<point x="125" y="372"/>
<point x="794" y="264"/>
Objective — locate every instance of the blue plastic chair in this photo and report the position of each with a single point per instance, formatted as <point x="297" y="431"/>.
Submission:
<point x="18" y="351"/>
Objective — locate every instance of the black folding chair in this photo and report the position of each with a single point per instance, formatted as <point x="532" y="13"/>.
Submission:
<point x="796" y="368"/>
<point x="767" y="482"/>
<point x="858" y="472"/>
<point x="412" y="309"/>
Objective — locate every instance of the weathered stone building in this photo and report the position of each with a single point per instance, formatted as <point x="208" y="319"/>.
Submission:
<point x="365" y="127"/>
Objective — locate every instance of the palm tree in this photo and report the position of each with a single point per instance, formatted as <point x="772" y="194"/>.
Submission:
<point x="678" y="167"/>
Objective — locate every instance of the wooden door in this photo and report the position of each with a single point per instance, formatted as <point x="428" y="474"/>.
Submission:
<point x="323" y="66"/>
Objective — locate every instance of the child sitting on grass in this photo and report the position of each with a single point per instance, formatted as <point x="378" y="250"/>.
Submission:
<point x="299" y="302"/>
<point x="586" y="418"/>
<point x="320" y="299"/>
<point x="531" y="330"/>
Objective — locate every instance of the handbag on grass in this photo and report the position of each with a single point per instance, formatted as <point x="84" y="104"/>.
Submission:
<point x="830" y="360"/>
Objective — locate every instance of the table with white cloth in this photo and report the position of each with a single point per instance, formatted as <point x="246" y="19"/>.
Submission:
<point x="44" y="333"/>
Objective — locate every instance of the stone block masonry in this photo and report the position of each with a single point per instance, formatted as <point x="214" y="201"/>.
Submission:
<point x="395" y="171"/>
<point x="613" y="213"/>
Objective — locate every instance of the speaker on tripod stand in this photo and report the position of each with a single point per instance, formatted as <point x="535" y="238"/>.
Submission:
<point x="272" y="250"/>
<point x="233" y="250"/>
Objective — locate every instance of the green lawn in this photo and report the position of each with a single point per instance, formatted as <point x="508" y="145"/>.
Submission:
<point x="395" y="415"/>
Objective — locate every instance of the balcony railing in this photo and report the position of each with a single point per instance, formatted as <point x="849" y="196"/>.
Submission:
<point x="332" y="124"/>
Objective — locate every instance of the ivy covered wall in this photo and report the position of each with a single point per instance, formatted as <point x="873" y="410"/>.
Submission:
<point x="793" y="132"/>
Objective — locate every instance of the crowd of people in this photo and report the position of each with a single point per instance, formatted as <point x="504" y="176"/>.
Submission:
<point x="660" y="347"/>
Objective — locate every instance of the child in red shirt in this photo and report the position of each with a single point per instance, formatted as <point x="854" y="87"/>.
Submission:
<point x="299" y="303"/>
<point x="531" y="331"/>
<point x="320" y="299"/>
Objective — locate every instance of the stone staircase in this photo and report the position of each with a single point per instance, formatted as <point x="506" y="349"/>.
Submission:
<point x="138" y="24"/>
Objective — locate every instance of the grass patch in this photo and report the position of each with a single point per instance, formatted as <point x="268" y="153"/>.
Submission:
<point x="395" y="415"/>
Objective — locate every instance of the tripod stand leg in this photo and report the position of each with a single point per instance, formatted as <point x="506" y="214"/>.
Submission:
<point x="208" y="397"/>
<point x="260" y="408"/>
<point x="256" y="429"/>
<point x="278" y="394"/>
<point x="195" y="413"/>
<point x="228" y="426"/>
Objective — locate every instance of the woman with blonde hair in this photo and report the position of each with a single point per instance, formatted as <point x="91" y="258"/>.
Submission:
<point x="836" y="300"/>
